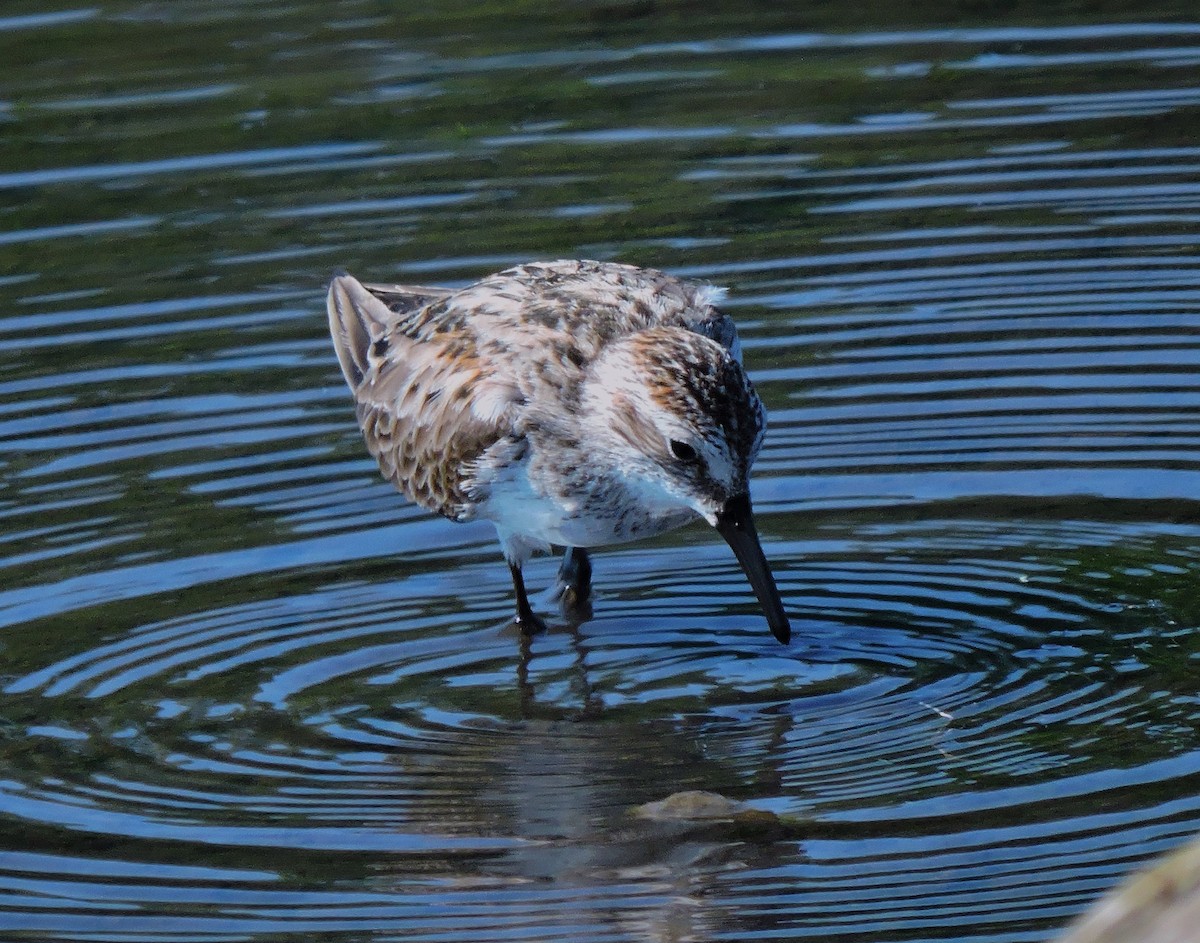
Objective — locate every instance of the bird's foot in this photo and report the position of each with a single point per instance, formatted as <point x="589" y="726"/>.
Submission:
<point x="528" y="623"/>
<point x="573" y="590"/>
<point x="571" y="607"/>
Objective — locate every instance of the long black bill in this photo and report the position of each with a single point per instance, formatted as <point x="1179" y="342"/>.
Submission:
<point x="736" y="524"/>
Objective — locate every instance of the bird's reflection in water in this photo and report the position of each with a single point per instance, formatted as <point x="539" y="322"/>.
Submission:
<point x="588" y="698"/>
<point x="570" y="788"/>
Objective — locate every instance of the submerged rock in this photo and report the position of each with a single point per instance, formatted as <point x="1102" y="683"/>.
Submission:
<point x="696" y="810"/>
<point x="691" y="805"/>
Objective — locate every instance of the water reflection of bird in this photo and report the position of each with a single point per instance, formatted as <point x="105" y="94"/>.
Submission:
<point x="570" y="403"/>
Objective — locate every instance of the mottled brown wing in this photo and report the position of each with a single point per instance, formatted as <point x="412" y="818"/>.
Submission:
<point x="429" y="405"/>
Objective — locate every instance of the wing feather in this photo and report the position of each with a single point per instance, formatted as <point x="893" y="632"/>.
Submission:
<point x="416" y="395"/>
<point x="405" y="299"/>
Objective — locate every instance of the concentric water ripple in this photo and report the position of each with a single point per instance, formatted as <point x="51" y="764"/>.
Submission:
<point x="249" y="693"/>
<point x="929" y="680"/>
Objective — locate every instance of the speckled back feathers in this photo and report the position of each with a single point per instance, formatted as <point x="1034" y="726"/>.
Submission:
<point x="451" y="386"/>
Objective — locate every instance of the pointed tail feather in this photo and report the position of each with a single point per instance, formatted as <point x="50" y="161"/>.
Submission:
<point x="357" y="319"/>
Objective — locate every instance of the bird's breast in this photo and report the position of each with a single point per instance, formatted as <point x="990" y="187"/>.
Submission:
<point x="568" y="506"/>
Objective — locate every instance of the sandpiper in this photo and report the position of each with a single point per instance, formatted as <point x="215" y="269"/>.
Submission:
<point x="571" y="403"/>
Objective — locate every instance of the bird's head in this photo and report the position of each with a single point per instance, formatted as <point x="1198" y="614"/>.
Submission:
<point x="681" y="423"/>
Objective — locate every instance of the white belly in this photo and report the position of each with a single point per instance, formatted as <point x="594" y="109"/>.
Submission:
<point x="523" y="514"/>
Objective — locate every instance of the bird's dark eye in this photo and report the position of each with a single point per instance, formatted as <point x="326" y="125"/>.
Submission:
<point x="682" y="451"/>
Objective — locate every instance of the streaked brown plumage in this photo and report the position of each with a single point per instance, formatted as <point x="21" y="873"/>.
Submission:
<point x="573" y="403"/>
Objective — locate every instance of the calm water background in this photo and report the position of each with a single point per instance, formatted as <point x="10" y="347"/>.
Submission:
<point x="248" y="693"/>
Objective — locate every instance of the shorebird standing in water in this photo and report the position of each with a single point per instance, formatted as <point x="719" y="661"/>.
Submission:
<point x="570" y="403"/>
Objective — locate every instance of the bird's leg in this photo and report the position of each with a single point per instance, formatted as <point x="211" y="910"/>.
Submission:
<point x="574" y="580"/>
<point x="525" y="618"/>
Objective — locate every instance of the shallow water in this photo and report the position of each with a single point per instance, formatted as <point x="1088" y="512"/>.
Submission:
<point x="251" y="694"/>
